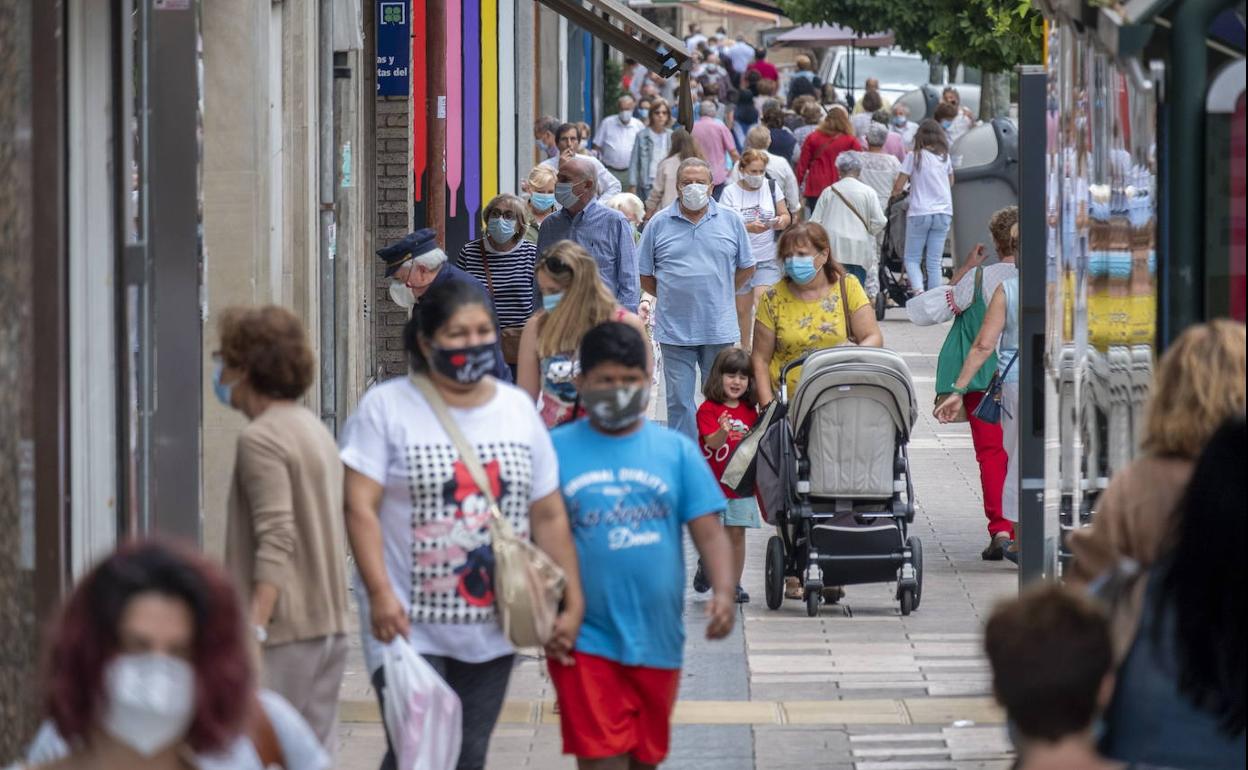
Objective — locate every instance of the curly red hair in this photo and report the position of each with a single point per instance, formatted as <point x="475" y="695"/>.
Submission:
<point x="85" y="640"/>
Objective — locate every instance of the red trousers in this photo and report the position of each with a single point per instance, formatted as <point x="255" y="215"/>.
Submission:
<point x="993" y="461"/>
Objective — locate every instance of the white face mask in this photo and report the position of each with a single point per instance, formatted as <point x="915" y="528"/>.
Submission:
<point x="402" y="295"/>
<point x="754" y="181"/>
<point x="694" y="196"/>
<point x="626" y="116"/>
<point x="149" y="701"/>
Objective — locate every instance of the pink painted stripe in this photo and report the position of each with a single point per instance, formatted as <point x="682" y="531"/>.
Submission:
<point x="454" y="105"/>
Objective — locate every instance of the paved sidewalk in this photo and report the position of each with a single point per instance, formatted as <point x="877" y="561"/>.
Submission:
<point x="858" y="687"/>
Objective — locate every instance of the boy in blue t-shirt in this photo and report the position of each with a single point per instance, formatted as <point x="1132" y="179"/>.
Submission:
<point x="631" y="487"/>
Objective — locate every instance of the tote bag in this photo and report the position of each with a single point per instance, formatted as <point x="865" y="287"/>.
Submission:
<point x="958" y="344"/>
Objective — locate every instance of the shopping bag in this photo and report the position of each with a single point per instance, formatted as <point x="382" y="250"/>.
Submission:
<point x="934" y="306"/>
<point x="739" y="471"/>
<point x="422" y="712"/>
<point x="958" y="344"/>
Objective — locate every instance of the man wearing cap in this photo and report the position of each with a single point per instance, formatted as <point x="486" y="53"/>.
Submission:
<point x="415" y="265"/>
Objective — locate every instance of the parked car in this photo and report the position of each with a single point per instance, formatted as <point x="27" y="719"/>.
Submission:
<point x="897" y="70"/>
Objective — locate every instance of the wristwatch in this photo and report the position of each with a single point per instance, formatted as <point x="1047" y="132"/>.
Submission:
<point x="262" y="633"/>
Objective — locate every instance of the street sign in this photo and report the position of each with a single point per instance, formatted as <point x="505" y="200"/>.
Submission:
<point x="394" y="48"/>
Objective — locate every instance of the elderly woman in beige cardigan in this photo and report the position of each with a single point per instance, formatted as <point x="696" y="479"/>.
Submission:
<point x="285" y="531"/>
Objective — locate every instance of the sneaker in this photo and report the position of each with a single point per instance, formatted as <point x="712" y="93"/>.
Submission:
<point x="996" y="547"/>
<point x="700" y="583"/>
<point x="1011" y="552"/>
<point x="742" y="596"/>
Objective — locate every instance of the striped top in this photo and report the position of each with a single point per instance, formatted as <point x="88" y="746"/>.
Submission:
<point x="510" y="279"/>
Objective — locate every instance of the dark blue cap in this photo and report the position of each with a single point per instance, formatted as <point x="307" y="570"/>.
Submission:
<point x="414" y="244"/>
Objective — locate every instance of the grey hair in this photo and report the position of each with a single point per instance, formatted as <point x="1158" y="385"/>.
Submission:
<point x="708" y="108"/>
<point x="758" y="137"/>
<point x="877" y="134"/>
<point x="431" y="260"/>
<point x="693" y="163"/>
<point x="848" y="164"/>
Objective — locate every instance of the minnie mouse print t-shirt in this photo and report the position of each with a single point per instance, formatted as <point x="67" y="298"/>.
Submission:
<point x="434" y="520"/>
<point x="740" y="419"/>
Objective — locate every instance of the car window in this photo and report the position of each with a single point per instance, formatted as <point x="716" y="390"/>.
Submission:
<point x="899" y="70"/>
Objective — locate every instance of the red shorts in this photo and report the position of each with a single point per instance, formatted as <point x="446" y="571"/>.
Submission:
<point x="607" y="709"/>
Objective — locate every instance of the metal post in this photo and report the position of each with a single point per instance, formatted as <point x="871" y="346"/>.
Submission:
<point x="1183" y="265"/>
<point x="325" y="173"/>
<point x="1039" y="542"/>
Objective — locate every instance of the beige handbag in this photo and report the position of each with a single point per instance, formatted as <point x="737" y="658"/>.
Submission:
<point x="528" y="585"/>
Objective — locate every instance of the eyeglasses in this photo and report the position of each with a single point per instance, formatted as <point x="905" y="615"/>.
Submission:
<point x="510" y="216"/>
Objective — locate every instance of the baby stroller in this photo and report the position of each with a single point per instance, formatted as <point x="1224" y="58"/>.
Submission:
<point x="893" y="283"/>
<point x="833" y="475"/>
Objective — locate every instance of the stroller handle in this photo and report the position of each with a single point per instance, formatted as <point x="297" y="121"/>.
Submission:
<point x="784" y="376"/>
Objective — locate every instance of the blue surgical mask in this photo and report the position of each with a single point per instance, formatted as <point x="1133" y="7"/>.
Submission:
<point x="564" y="194"/>
<point x="223" y="391"/>
<point x="501" y="230"/>
<point x="542" y="201"/>
<point x="800" y="267"/>
<point x="551" y="301"/>
<point x="899" y="120"/>
<point x="946" y="124"/>
<point x="643" y="113"/>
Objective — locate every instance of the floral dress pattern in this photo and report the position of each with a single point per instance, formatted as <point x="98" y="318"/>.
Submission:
<point x="804" y="326"/>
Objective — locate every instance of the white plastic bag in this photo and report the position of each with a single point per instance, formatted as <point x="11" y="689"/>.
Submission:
<point x="934" y="306"/>
<point x="422" y="712"/>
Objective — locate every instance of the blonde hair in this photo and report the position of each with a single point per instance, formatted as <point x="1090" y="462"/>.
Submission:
<point x="837" y="121"/>
<point x="541" y="176"/>
<point x="1199" y="385"/>
<point x="585" y="303"/>
<point x="626" y="204"/>
<point x="751" y="155"/>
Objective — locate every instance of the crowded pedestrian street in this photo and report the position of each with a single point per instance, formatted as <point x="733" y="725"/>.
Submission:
<point x="623" y="385"/>
<point x="858" y="688"/>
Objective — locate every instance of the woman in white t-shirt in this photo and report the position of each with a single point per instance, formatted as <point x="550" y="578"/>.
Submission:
<point x="930" y="175"/>
<point x="760" y="202"/>
<point x="419" y="526"/>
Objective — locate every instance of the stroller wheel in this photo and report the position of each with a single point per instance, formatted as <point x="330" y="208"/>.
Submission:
<point x="774" y="580"/>
<point x="916" y="558"/>
<point x="881" y="305"/>
<point x="907" y="600"/>
<point x="812" y="602"/>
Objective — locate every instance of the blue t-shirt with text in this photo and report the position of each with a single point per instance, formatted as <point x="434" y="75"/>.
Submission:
<point x="628" y="498"/>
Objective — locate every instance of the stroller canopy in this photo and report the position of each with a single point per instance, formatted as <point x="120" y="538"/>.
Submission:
<point x="855" y="372"/>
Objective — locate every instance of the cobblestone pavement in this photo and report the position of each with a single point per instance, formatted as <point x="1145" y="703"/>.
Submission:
<point x="858" y="687"/>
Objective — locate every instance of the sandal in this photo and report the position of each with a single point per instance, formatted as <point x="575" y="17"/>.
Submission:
<point x="793" y="589"/>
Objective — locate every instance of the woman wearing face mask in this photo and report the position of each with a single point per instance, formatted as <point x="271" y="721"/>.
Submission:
<point x="419" y="527"/>
<point x="540" y="187"/>
<point x="650" y="148"/>
<point x="760" y="202"/>
<point x="147" y="670"/>
<point x="574" y="300"/>
<point x="284" y="533"/>
<point x="805" y="312"/>
<point x="503" y="261"/>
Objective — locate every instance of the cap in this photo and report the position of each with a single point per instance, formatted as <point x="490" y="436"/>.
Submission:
<point x="414" y="244"/>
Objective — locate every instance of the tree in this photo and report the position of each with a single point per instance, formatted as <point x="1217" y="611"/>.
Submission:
<point x="993" y="35"/>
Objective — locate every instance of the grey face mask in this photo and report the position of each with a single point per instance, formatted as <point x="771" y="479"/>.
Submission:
<point x="613" y="409"/>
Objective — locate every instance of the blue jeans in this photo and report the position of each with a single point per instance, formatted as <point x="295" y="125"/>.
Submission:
<point x="680" y="364"/>
<point x="925" y="234"/>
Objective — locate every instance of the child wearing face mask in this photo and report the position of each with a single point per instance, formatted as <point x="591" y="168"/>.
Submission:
<point x="724" y="418"/>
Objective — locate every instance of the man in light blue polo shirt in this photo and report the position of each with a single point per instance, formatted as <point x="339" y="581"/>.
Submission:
<point x="693" y="257"/>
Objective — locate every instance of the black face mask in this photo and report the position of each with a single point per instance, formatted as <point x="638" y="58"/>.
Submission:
<point x="463" y="365"/>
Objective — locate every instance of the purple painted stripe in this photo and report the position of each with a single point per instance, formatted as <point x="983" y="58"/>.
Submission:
<point x="472" y="112"/>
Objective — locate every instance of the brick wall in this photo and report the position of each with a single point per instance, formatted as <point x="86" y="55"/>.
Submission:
<point x="394" y="220"/>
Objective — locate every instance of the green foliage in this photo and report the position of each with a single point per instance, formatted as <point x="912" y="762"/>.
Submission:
<point x="612" y="71"/>
<point x="993" y="35"/>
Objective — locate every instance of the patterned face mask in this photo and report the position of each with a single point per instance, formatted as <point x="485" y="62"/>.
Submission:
<point x="464" y="365"/>
<point x="613" y="409"/>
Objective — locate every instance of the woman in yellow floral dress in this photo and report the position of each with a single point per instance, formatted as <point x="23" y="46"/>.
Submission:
<point x="803" y="313"/>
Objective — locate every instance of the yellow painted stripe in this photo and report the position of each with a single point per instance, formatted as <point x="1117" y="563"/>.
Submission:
<point x="860" y="711"/>
<point x="489" y="101"/>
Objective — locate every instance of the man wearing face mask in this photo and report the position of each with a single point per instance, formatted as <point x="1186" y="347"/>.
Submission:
<point x="631" y="490"/>
<point x="902" y="125"/>
<point x="694" y="257"/>
<point x="415" y="265"/>
<point x="569" y="138"/>
<point x="615" y="138"/>
<point x="960" y="121"/>
<point x="602" y="231"/>
<point x="544" y="132"/>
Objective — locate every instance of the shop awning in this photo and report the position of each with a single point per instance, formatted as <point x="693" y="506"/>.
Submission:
<point x="830" y="36"/>
<point x="760" y="11"/>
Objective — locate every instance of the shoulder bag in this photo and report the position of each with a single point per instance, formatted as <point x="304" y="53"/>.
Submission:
<point x="849" y="326"/>
<point x="990" y="408"/>
<point x="845" y="200"/>
<point x="528" y="585"/>
<point x="958" y="344"/>
<point x="264" y="737"/>
<point x="508" y="338"/>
